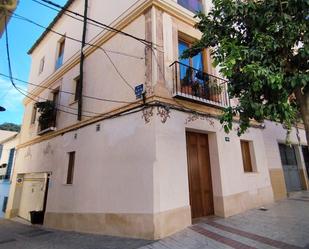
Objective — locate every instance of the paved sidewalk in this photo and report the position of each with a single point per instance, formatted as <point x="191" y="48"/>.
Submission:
<point x="15" y="235"/>
<point x="285" y="225"/>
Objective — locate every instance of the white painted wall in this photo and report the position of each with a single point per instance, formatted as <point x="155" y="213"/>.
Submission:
<point x="130" y="166"/>
<point x="228" y="176"/>
<point x="113" y="168"/>
<point x="101" y="80"/>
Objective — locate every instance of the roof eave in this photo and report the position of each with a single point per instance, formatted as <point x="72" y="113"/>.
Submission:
<point x="50" y="26"/>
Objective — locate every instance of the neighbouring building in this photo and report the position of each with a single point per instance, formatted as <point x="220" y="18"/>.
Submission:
<point x="8" y="143"/>
<point x="109" y="163"/>
<point x="288" y="164"/>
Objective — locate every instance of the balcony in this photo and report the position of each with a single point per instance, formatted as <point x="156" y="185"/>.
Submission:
<point x="47" y="119"/>
<point x="194" y="85"/>
<point x="192" y="5"/>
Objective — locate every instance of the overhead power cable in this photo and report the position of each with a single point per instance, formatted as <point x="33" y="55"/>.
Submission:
<point x="14" y="15"/>
<point x="67" y="92"/>
<point x="57" y="105"/>
<point x="11" y="74"/>
<point x="144" y="41"/>
<point x="78" y="19"/>
<point x="74" y="39"/>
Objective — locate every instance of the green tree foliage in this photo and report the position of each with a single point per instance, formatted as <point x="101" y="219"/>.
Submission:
<point x="262" y="48"/>
<point x="47" y="110"/>
<point x="10" y="127"/>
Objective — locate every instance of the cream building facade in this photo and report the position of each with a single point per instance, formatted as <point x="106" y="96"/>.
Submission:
<point x="137" y="168"/>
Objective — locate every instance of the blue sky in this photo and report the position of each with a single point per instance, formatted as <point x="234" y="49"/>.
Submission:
<point x="22" y="36"/>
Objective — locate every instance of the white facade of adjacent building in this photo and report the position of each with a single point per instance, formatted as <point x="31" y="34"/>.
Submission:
<point x="8" y="142"/>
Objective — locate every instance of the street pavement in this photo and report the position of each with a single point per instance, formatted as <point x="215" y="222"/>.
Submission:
<point x="284" y="225"/>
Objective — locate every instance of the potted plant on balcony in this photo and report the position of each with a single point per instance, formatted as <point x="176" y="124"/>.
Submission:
<point x="186" y="82"/>
<point x="215" y="91"/>
<point x="47" y="109"/>
<point x="196" y="88"/>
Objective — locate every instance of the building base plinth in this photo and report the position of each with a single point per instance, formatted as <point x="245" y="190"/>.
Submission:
<point x="143" y="226"/>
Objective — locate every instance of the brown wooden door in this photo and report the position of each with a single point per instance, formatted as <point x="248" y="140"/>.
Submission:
<point x="200" y="185"/>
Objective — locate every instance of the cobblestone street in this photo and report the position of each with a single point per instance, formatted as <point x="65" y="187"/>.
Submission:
<point x="284" y="225"/>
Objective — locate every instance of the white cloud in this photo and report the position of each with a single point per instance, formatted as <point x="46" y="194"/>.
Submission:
<point x="10" y="98"/>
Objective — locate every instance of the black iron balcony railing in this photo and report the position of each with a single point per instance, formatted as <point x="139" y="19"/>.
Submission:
<point x="47" y="125"/>
<point x="196" y="85"/>
<point x="48" y="117"/>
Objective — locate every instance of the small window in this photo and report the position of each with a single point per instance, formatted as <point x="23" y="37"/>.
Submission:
<point x="33" y="115"/>
<point x="77" y="86"/>
<point x="56" y="103"/>
<point x="56" y="97"/>
<point x="60" y="53"/>
<point x="42" y="63"/>
<point x="70" y="167"/>
<point x="246" y="156"/>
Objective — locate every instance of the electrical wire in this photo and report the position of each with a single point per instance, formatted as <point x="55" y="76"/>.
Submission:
<point x="71" y="38"/>
<point x="57" y="104"/>
<point x="10" y="69"/>
<point x="142" y="107"/>
<point x="20" y="17"/>
<point x="78" y="19"/>
<point x="144" y="41"/>
<point x="67" y="92"/>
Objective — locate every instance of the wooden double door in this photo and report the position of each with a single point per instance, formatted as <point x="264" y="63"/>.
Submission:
<point x="200" y="183"/>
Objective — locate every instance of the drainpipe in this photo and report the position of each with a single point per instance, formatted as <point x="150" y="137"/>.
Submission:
<point x="81" y="69"/>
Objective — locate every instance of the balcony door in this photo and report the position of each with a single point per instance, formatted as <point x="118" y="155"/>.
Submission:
<point x="189" y="68"/>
